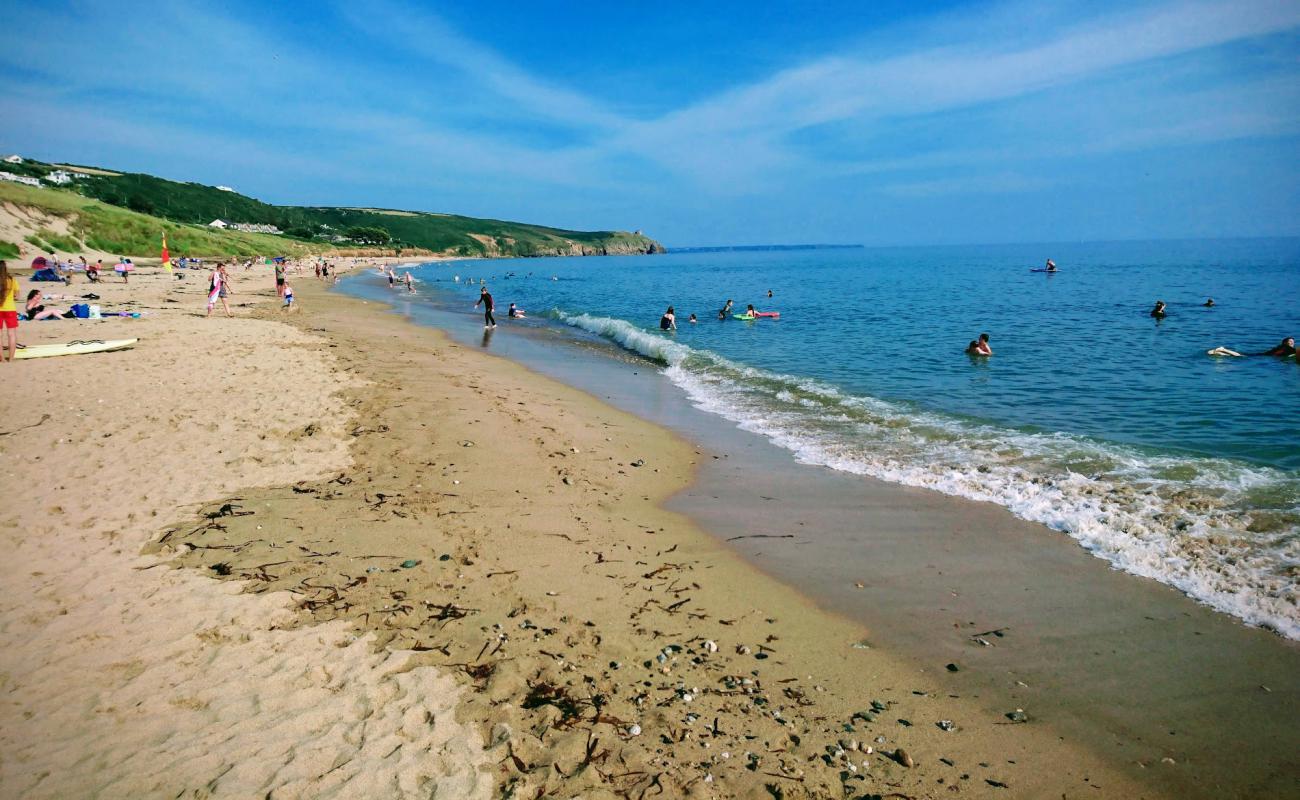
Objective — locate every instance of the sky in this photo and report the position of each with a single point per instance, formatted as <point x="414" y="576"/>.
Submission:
<point x="715" y="123"/>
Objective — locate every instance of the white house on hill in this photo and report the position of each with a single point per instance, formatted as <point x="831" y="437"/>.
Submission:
<point x="218" y="223"/>
<point x="225" y="189"/>
<point x="59" y="176"/>
<point x="14" y="159"/>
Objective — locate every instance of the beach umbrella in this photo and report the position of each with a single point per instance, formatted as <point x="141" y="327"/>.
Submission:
<point x="39" y="262"/>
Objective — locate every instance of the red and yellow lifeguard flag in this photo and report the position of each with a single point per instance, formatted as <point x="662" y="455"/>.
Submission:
<point x="166" y="259"/>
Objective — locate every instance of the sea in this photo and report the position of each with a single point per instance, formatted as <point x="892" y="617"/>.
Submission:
<point x="1091" y="417"/>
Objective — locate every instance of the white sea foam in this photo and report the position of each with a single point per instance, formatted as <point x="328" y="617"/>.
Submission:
<point x="1202" y="532"/>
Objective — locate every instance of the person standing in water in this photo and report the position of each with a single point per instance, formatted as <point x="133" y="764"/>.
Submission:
<point x="485" y="298"/>
<point x="668" y="322"/>
<point x="980" y="347"/>
<point x="410" y="283"/>
<point x="725" y="310"/>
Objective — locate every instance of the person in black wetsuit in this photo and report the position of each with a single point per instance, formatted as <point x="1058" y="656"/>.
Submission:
<point x="725" y="311"/>
<point x="1159" y="311"/>
<point x="489" y="321"/>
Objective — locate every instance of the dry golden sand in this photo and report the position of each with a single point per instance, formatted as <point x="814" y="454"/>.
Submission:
<point x="122" y="677"/>
<point x="591" y="643"/>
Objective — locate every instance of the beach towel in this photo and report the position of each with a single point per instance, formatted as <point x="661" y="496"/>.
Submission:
<point x="46" y="275"/>
<point x="214" y="290"/>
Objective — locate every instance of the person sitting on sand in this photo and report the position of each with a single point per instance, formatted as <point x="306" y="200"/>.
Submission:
<point x="514" y="313"/>
<point x="1283" y="349"/>
<point x="1209" y="302"/>
<point x="668" y="322"/>
<point x="1159" y="311"/>
<point x="692" y="320"/>
<point x="36" y="309"/>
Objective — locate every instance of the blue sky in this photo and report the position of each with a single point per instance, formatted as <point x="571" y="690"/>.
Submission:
<point x="880" y="123"/>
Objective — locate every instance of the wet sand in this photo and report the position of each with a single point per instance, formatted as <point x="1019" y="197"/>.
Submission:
<point x="1170" y="691"/>
<point x="610" y="648"/>
<point x="409" y="568"/>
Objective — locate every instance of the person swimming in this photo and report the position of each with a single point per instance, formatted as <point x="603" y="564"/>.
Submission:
<point x="982" y="345"/>
<point x="769" y="292"/>
<point x="1209" y="302"/>
<point x="726" y="309"/>
<point x="749" y="310"/>
<point x="692" y="320"/>
<point x="1159" y="311"/>
<point x="668" y="322"/>
<point x="1283" y="349"/>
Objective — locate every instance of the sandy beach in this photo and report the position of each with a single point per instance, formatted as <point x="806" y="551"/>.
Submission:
<point x="333" y="554"/>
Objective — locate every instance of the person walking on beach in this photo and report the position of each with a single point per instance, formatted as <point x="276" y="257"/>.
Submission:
<point x="218" y="289"/>
<point x="8" y="312"/>
<point x="668" y="322"/>
<point x="485" y="298"/>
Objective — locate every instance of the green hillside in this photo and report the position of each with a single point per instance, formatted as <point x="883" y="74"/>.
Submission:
<point x="93" y="225"/>
<point x="196" y="204"/>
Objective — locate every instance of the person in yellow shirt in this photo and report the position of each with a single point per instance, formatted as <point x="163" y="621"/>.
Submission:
<point x="8" y="312"/>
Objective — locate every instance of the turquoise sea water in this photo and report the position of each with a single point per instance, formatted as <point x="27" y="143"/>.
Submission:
<point x="1090" y="417"/>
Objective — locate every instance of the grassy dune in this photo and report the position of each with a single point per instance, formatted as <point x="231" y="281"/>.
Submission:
<point x="94" y="225"/>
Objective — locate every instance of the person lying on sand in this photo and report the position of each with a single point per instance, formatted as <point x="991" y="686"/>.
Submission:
<point x="1283" y="349"/>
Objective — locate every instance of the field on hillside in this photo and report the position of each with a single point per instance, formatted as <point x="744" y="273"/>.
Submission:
<point x="55" y="220"/>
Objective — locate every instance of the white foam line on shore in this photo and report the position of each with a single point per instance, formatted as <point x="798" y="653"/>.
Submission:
<point x="1184" y="532"/>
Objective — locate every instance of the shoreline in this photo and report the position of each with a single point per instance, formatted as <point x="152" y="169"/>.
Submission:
<point x="1087" y="644"/>
<point x="545" y="575"/>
